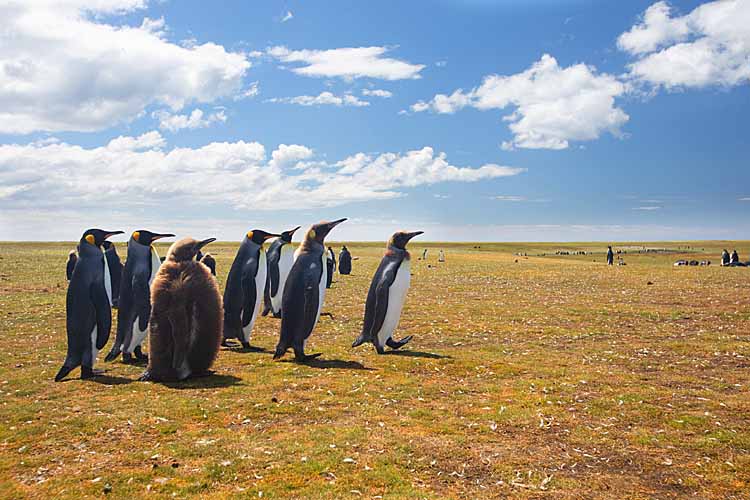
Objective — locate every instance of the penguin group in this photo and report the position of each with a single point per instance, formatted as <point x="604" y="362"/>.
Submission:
<point x="175" y="300"/>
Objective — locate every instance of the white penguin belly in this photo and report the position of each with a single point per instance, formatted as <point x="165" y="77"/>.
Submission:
<point x="260" y="285"/>
<point x="107" y="281"/>
<point x="321" y="291"/>
<point x="94" y="350"/>
<point x="155" y="265"/>
<point x="396" y="299"/>
<point x="286" y="259"/>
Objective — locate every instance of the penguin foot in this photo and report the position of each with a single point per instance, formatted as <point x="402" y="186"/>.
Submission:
<point x="112" y="355"/>
<point x="88" y="372"/>
<point x="128" y="358"/>
<point x="360" y="340"/>
<point x="379" y="349"/>
<point x="63" y="372"/>
<point x="251" y="348"/>
<point x="146" y="377"/>
<point x="328" y="314"/>
<point x="397" y="344"/>
<point x="304" y="358"/>
<point x="277" y="315"/>
<point x="139" y="354"/>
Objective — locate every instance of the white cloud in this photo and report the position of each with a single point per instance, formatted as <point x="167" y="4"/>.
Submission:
<point x="287" y="16"/>
<point x="747" y="198"/>
<point x="649" y="208"/>
<point x="553" y="105"/>
<point x="377" y="93"/>
<point x="251" y="91"/>
<point x="236" y="175"/>
<point x="510" y="198"/>
<point x="175" y="122"/>
<point x="63" y="68"/>
<point x="347" y="63"/>
<point x="708" y="46"/>
<point x="324" y="98"/>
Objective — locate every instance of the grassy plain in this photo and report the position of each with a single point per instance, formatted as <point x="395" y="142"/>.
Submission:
<point x="528" y="377"/>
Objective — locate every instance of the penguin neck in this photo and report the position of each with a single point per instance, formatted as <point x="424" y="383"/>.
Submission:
<point x="312" y="246"/>
<point x="89" y="250"/>
<point x="393" y="251"/>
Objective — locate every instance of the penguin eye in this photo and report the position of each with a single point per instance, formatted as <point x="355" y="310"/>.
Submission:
<point x="90" y="238"/>
<point x="249" y="235"/>
<point x="136" y="235"/>
<point x="312" y="234"/>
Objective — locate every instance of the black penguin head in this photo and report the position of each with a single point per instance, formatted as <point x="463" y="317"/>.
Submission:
<point x="401" y="238"/>
<point x="96" y="237"/>
<point x="147" y="237"/>
<point x="258" y="236"/>
<point x="287" y="235"/>
<point x="319" y="231"/>
<point x="186" y="249"/>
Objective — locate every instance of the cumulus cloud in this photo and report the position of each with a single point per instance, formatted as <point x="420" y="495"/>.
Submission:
<point x="708" y="46"/>
<point x="553" y="105"/>
<point x="139" y="171"/>
<point x="251" y="91"/>
<point x="347" y="63"/>
<point x="377" y="93"/>
<point x="63" y="68"/>
<point x="322" y="99"/>
<point x="196" y="119"/>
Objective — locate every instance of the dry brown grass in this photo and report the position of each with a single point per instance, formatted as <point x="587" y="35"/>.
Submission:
<point x="549" y="377"/>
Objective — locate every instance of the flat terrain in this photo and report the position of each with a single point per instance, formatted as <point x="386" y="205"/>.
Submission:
<point x="548" y="376"/>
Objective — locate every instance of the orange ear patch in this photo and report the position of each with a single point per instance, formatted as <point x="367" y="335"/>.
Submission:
<point x="136" y="235"/>
<point x="90" y="238"/>
<point x="249" y="235"/>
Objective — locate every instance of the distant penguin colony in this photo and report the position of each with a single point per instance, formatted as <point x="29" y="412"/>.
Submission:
<point x="175" y="302"/>
<point x="186" y="316"/>
<point x="134" y="312"/>
<point x="89" y="317"/>
<point x="304" y="292"/>
<point x="245" y="287"/>
<point x="280" y="257"/>
<point x="387" y="294"/>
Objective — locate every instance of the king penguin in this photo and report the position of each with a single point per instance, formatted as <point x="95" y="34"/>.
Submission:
<point x="135" y="295"/>
<point x="185" y="327"/>
<point x="280" y="258"/>
<point x="304" y="292"/>
<point x="72" y="259"/>
<point x="87" y="305"/>
<point x="244" y="289"/>
<point x="387" y="294"/>
<point x="115" y="270"/>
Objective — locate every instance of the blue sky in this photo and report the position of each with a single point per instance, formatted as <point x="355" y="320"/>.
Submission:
<point x="471" y="120"/>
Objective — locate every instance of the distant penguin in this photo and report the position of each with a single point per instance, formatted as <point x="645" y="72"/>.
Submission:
<point x="115" y="270"/>
<point x="387" y="295"/>
<point x="135" y="295"/>
<point x="244" y="289"/>
<point x="280" y="257"/>
<point x="330" y="267"/>
<point x="209" y="262"/>
<point x="185" y="328"/>
<point x="304" y="292"/>
<point x="72" y="259"/>
<point x="87" y="306"/>
<point x="345" y="261"/>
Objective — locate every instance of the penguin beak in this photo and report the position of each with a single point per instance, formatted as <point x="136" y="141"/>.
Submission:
<point x="112" y="233"/>
<point x="268" y="236"/>
<point x="294" y="230"/>
<point x="162" y="235"/>
<point x="203" y="243"/>
<point x="335" y="223"/>
<point x="412" y="235"/>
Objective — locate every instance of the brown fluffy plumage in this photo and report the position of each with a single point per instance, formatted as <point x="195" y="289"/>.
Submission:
<point x="186" y="316"/>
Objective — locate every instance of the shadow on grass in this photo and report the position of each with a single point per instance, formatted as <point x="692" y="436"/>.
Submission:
<point x="417" y="354"/>
<point x="105" y="379"/>
<point x="209" y="381"/>
<point x="252" y="348"/>
<point x="331" y="363"/>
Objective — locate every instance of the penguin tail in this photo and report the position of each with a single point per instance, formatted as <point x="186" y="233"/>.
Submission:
<point x="280" y="350"/>
<point x="63" y="372"/>
<point x="360" y="340"/>
<point x="113" y="353"/>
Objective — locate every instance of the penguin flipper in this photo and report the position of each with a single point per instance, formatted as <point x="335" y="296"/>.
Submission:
<point x="249" y="295"/>
<point x="267" y="294"/>
<point x="381" y="301"/>
<point x="103" y="314"/>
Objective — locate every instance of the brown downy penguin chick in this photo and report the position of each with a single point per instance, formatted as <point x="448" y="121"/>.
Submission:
<point x="186" y="316"/>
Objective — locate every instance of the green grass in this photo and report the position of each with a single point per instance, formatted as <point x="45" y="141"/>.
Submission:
<point x="544" y="376"/>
